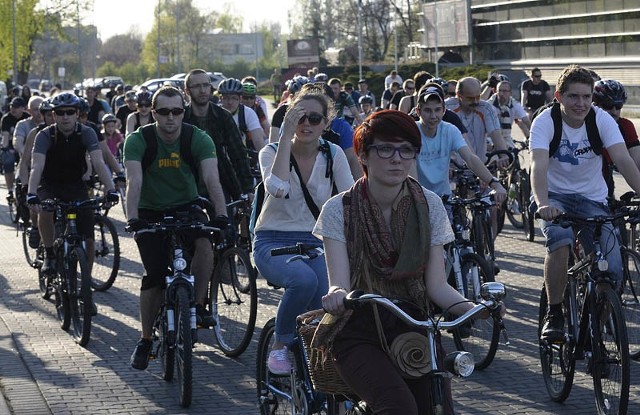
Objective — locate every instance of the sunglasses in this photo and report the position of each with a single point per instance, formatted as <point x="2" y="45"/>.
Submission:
<point x="609" y="107"/>
<point x="166" y="111"/>
<point x="64" y="112"/>
<point x="314" y="118"/>
<point x="144" y="104"/>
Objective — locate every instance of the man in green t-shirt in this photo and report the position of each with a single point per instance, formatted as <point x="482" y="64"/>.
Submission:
<point x="168" y="185"/>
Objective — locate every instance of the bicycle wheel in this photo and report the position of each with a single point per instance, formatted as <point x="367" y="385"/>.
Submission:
<point x="480" y="337"/>
<point x="271" y="389"/>
<point x="80" y="295"/>
<point x="184" y="345"/>
<point x="631" y="299"/>
<point x="30" y="254"/>
<point x="107" y="254"/>
<point x="123" y="199"/>
<point x="557" y="360"/>
<point x="166" y="350"/>
<point x="483" y="241"/>
<point x="45" y="287"/>
<point x="610" y="364"/>
<point x="234" y="306"/>
<point x="514" y="205"/>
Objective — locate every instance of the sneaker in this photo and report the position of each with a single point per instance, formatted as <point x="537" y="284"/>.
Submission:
<point x="203" y="317"/>
<point x="49" y="266"/>
<point x="278" y="362"/>
<point x="34" y="238"/>
<point x="515" y="209"/>
<point x="553" y="327"/>
<point x="140" y="356"/>
<point x="10" y="197"/>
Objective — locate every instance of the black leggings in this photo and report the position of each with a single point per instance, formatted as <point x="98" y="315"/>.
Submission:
<point x="368" y="370"/>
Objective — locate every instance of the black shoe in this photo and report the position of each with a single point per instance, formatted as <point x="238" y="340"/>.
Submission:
<point x="34" y="238"/>
<point x="553" y="327"/>
<point x="140" y="356"/>
<point x="49" y="266"/>
<point x="204" y="318"/>
<point x="10" y="198"/>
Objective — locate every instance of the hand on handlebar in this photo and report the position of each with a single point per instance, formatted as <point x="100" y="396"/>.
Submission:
<point x="500" y="194"/>
<point x="548" y="212"/>
<point x="502" y="162"/>
<point x="135" y="225"/>
<point x="487" y="312"/>
<point x="333" y="301"/>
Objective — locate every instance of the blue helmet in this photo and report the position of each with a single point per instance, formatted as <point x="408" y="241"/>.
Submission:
<point x="294" y="85"/>
<point x="609" y="92"/>
<point x="66" y="99"/>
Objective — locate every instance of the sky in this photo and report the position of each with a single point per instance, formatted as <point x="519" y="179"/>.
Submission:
<point x="113" y="17"/>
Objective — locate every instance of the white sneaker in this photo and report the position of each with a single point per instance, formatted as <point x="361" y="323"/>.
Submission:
<point x="278" y="362"/>
<point x="515" y="209"/>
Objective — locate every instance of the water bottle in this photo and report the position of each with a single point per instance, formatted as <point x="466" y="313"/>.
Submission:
<point x="512" y="191"/>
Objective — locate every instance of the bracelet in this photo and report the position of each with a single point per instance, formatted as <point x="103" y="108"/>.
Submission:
<point x="335" y="288"/>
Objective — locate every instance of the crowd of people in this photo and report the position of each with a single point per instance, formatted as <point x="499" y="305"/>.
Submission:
<point x="361" y="176"/>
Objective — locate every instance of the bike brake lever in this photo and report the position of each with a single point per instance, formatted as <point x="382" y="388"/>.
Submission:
<point x="503" y="332"/>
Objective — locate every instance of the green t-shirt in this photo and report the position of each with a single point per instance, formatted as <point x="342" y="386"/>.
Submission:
<point x="168" y="182"/>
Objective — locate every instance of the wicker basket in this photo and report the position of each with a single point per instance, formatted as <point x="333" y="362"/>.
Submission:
<point x="324" y="376"/>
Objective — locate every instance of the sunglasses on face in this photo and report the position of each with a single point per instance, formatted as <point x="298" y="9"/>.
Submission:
<point x="609" y="107"/>
<point x="166" y="111"/>
<point x="144" y="105"/>
<point x="64" y="112"/>
<point x="314" y="118"/>
<point x="387" y="151"/>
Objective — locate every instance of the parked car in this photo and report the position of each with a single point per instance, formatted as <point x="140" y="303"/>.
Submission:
<point x="154" y="84"/>
<point x="216" y="77"/>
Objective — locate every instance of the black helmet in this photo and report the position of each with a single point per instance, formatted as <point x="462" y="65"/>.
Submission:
<point x="45" y="105"/>
<point x="65" y="99"/>
<point x="83" y="106"/>
<point x="609" y="92"/>
<point x="365" y="99"/>
<point x="144" y="97"/>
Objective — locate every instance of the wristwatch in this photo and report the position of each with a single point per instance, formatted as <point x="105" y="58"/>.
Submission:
<point x="494" y="179"/>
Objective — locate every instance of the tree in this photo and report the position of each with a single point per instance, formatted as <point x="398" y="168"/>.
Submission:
<point x="121" y="49"/>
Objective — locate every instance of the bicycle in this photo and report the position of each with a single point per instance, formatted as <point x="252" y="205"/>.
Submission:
<point x="594" y="326"/>
<point x="467" y="272"/>
<point x="233" y="294"/>
<point x="293" y="393"/>
<point x="107" y="251"/>
<point x="174" y="329"/>
<point x="71" y="284"/>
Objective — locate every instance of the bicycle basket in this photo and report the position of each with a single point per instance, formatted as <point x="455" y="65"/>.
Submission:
<point x="324" y="375"/>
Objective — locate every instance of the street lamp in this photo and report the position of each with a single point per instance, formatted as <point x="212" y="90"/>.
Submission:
<point x="392" y="16"/>
<point x="360" y="39"/>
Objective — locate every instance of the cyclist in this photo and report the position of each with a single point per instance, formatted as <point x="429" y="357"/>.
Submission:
<point x="535" y="92"/>
<point x="342" y="100"/>
<point x="245" y="118"/>
<point x="259" y="100"/>
<point x="23" y="127"/>
<point x="567" y="180"/>
<point x="294" y="86"/>
<point x="143" y="115"/>
<point x="366" y="104"/>
<point x="97" y="106"/>
<point x="249" y="100"/>
<point x="111" y="134"/>
<point x="509" y="111"/>
<point x="610" y="95"/>
<point x="57" y="166"/>
<point x="385" y="235"/>
<point x="439" y="140"/>
<point x="7" y="126"/>
<point x="286" y="215"/>
<point x="233" y="162"/>
<point x="123" y="111"/>
<point x="168" y="185"/>
<point x="408" y="102"/>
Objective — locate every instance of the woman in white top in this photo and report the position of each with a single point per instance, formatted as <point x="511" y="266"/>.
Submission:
<point x="286" y="218"/>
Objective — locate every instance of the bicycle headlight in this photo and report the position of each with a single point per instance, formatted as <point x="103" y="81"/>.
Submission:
<point x="460" y="363"/>
<point x="179" y="264"/>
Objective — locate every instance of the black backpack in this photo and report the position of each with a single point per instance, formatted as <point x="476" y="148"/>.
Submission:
<point x="592" y="128"/>
<point x="150" y="153"/>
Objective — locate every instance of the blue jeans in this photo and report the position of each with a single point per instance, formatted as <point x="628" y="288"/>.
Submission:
<point x="577" y="205"/>
<point x="304" y="281"/>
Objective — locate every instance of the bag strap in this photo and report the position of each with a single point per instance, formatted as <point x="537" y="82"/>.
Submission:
<point x="315" y="211"/>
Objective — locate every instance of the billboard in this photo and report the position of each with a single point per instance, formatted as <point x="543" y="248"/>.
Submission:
<point x="451" y="19"/>
<point x="303" y="51"/>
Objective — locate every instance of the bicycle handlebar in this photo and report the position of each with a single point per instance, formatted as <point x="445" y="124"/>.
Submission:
<point x="492" y="293"/>
<point x="170" y="224"/>
<point x="50" y="205"/>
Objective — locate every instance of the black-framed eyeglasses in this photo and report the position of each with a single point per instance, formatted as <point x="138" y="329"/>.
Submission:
<point x="314" y="118"/>
<point x="69" y="112"/>
<point x="609" y="107"/>
<point x="387" y="151"/>
<point x="166" y="111"/>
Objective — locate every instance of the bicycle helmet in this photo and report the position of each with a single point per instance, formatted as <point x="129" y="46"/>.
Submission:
<point x="230" y="86"/>
<point x="321" y="77"/>
<point x="609" y="92"/>
<point x="249" y="89"/>
<point x="502" y="77"/>
<point x="83" y="106"/>
<point x="65" y="99"/>
<point x="442" y="82"/>
<point x="365" y="99"/>
<point x="294" y="85"/>
<point x="109" y="118"/>
<point x="130" y="96"/>
<point x="144" y="97"/>
<point x="45" y="105"/>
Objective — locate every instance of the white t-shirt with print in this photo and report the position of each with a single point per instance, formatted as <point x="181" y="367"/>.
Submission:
<point x="575" y="168"/>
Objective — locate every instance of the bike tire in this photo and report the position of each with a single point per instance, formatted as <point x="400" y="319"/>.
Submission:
<point x="481" y="336"/>
<point x="631" y="299"/>
<point x="30" y="254"/>
<point x="184" y="345"/>
<point x="516" y="219"/>
<point x="123" y="199"/>
<point x="234" y="301"/>
<point x="270" y="402"/>
<point x="12" y="212"/>
<point x="166" y="347"/>
<point x="80" y="295"/>
<point x="611" y="363"/>
<point x="107" y="254"/>
<point x="482" y="242"/>
<point x="502" y="212"/>
<point x="556" y="359"/>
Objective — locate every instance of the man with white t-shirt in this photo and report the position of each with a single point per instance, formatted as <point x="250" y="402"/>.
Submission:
<point x="246" y="118"/>
<point x="570" y="180"/>
<point x="509" y="111"/>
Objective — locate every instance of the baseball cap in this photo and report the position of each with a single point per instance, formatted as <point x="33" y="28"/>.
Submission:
<point x="18" y="102"/>
<point x="426" y="93"/>
<point x="362" y="81"/>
